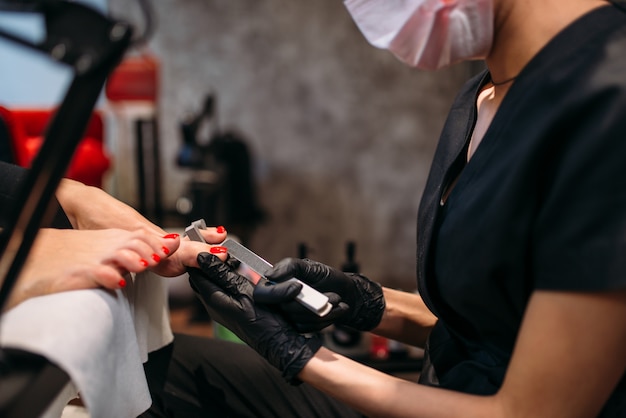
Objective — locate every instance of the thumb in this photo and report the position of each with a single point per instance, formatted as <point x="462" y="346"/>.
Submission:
<point x="274" y="293"/>
<point x="211" y="264"/>
<point x="221" y="274"/>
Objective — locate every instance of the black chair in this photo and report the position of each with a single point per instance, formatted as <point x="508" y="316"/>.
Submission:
<point x="29" y="383"/>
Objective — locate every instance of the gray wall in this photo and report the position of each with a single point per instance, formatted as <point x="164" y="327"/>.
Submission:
<point x="342" y="134"/>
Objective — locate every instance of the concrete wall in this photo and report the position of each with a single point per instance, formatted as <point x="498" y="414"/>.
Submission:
<point x="342" y="134"/>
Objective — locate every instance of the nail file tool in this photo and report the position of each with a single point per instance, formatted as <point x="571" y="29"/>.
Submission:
<point x="192" y="230"/>
<point x="310" y="298"/>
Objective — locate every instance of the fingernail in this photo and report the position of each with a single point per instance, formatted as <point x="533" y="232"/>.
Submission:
<point x="218" y="250"/>
<point x="171" y="236"/>
<point x="165" y="250"/>
<point x="122" y="283"/>
<point x="220" y="229"/>
<point x="156" y="258"/>
<point x="143" y="262"/>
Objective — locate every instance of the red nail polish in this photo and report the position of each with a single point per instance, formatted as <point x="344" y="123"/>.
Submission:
<point x="165" y="250"/>
<point x="220" y="229"/>
<point x="171" y="236"/>
<point x="122" y="283"/>
<point x="156" y="258"/>
<point x="143" y="262"/>
<point x="218" y="250"/>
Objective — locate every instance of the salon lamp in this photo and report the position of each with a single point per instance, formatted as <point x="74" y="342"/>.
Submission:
<point x="91" y="44"/>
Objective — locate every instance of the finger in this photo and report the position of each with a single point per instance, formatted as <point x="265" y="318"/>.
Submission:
<point x="306" y="270"/>
<point x="339" y="311"/>
<point x="273" y="293"/>
<point x="297" y="312"/>
<point x="306" y="321"/>
<point x="286" y="269"/>
<point x="315" y="323"/>
<point x="232" y="262"/>
<point x="221" y="274"/>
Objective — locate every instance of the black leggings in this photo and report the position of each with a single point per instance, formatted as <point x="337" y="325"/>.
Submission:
<point x="202" y="377"/>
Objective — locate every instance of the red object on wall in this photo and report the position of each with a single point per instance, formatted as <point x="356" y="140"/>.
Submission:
<point x="135" y="78"/>
<point x="27" y="127"/>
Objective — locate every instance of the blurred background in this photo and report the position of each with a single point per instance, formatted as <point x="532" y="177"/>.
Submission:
<point x="274" y="118"/>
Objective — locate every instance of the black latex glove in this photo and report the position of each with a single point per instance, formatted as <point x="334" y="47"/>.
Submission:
<point x="228" y="298"/>
<point x="302" y="319"/>
<point x="360" y="305"/>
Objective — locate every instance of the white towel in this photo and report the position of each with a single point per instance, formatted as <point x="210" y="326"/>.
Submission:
<point x="99" y="337"/>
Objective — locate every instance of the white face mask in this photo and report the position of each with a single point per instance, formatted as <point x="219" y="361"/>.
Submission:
<point x="427" y="34"/>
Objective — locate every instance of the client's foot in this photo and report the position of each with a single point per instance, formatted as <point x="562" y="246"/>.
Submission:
<point x="68" y="259"/>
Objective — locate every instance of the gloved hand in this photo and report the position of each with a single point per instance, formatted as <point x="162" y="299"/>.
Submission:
<point x="228" y="298"/>
<point x="358" y="302"/>
<point x="302" y="319"/>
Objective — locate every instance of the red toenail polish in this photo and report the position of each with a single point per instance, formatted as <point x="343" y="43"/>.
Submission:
<point x="122" y="283"/>
<point x="156" y="258"/>
<point x="220" y="229"/>
<point x="143" y="262"/>
<point x="218" y="250"/>
<point x="165" y="250"/>
<point x="172" y="236"/>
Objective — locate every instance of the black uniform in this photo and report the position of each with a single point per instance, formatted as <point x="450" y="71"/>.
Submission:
<point x="540" y="205"/>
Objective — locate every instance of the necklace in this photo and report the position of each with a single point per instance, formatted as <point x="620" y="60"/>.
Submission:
<point x="501" y="83"/>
